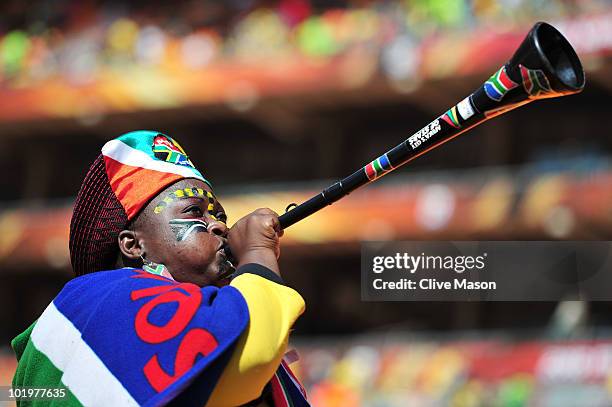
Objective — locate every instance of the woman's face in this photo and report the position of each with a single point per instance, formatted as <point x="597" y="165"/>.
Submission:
<point x="184" y="229"/>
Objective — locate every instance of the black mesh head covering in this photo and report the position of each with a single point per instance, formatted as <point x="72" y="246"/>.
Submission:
<point x="97" y="219"/>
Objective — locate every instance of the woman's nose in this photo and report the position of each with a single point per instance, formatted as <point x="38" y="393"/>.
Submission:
<point x="217" y="228"/>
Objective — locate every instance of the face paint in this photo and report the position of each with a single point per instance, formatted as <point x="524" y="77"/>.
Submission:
<point x="182" y="228"/>
<point x="211" y="201"/>
<point x="185" y="193"/>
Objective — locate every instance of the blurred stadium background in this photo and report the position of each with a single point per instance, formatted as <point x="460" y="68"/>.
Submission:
<point x="275" y="100"/>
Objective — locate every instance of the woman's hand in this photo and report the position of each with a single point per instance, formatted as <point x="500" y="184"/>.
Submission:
<point x="255" y="239"/>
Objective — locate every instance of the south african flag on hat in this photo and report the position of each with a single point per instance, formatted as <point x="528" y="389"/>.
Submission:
<point x="142" y="163"/>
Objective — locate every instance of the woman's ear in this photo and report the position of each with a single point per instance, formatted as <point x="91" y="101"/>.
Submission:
<point x="129" y="245"/>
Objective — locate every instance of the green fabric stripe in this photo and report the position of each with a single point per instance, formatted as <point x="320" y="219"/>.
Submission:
<point x="20" y="342"/>
<point x="173" y="156"/>
<point x="284" y="387"/>
<point x="36" y="370"/>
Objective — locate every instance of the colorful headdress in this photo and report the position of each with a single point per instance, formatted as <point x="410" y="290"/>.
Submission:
<point x="131" y="171"/>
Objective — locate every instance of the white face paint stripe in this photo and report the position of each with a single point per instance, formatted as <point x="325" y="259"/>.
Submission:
<point x="182" y="233"/>
<point x="84" y="373"/>
<point x="191" y="229"/>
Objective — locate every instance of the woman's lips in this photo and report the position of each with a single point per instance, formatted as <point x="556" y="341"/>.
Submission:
<point x="225" y="266"/>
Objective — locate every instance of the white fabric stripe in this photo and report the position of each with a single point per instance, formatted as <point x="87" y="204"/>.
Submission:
<point x="83" y="372"/>
<point x="119" y="151"/>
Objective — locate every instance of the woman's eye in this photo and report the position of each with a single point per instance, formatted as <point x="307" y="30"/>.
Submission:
<point x="221" y="216"/>
<point x="195" y="210"/>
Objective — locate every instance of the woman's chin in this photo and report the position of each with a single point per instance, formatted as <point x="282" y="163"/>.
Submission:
<point x="220" y="274"/>
<point x="222" y="282"/>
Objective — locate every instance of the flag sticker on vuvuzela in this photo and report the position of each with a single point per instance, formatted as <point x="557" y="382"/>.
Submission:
<point x="534" y="81"/>
<point x="465" y="108"/>
<point x="450" y="117"/>
<point x="499" y="84"/>
<point x="378" y="167"/>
